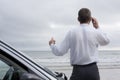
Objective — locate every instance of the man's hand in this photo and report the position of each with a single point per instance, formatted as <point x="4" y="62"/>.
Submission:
<point x="95" y="23"/>
<point x="52" y="41"/>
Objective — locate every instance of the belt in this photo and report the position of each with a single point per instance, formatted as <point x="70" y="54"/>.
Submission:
<point x="76" y="65"/>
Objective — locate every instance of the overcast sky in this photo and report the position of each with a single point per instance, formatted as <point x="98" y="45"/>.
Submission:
<point x="29" y="24"/>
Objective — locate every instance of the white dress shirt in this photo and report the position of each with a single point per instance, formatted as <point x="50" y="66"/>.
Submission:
<point x="83" y="42"/>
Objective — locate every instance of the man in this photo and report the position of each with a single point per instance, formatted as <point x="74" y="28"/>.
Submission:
<point x="83" y="42"/>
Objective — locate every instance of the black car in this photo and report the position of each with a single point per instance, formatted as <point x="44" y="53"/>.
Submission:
<point x="14" y="65"/>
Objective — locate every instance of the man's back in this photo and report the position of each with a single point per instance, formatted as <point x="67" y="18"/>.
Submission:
<point x="84" y="45"/>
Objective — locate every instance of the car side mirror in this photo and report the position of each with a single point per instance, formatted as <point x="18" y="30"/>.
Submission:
<point x="61" y="75"/>
<point x="29" y="76"/>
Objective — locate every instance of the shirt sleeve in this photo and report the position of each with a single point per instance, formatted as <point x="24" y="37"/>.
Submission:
<point x="63" y="47"/>
<point x="102" y="37"/>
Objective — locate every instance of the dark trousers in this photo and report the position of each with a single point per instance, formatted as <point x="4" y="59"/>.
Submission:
<point x="85" y="72"/>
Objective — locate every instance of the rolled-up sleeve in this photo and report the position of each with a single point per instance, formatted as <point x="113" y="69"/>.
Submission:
<point x="63" y="47"/>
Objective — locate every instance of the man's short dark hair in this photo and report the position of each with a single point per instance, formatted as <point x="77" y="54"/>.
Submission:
<point x="84" y="15"/>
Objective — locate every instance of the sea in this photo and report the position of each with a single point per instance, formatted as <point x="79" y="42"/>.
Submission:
<point x="107" y="58"/>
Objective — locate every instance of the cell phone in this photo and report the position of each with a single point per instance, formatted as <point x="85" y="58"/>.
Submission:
<point x="93" y="21"/>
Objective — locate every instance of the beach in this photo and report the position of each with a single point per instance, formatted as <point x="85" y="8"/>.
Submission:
<point x="109" y="63"/>
<point x="106" y="72"/>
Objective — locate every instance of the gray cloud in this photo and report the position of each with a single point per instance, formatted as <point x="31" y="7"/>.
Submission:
<point x="31" y="23"/>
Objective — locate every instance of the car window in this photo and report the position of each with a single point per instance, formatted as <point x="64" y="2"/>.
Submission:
<point x="9" y="70"/>
<point x="3" y="69"/>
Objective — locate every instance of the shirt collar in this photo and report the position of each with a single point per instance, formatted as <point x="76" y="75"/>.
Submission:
<point x="84" y="24"/>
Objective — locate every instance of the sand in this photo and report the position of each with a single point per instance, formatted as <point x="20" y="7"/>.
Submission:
<point x="106" y="72"/>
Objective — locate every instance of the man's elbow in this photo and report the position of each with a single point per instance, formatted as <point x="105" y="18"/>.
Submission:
<point x="58" y="53"/>
<point x="106" y="42"/>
